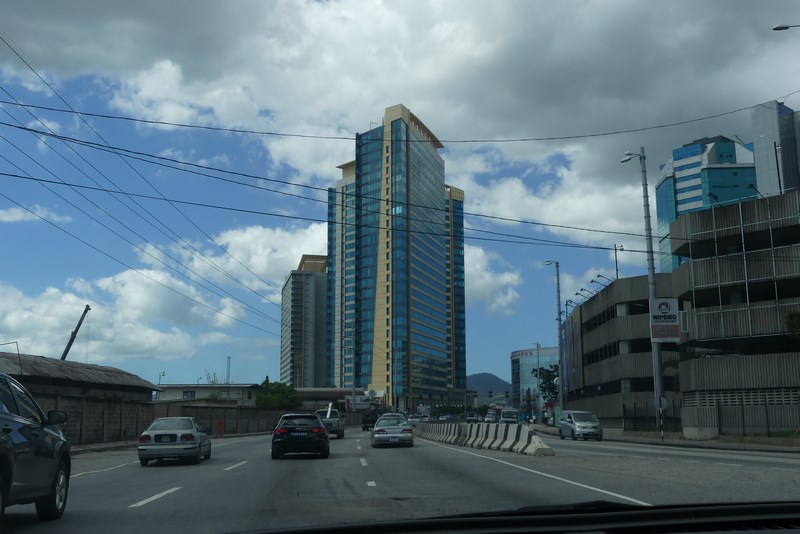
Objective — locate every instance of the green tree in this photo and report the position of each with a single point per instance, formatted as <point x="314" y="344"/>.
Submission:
<point x="276" y="396"/>
<point x="547" y="383"/>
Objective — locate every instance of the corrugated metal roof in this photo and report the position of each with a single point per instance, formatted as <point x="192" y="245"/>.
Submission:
<point x="67" y="371"/>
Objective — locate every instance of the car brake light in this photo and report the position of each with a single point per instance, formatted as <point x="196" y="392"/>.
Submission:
<point x="187" y="437"/>
<point x="380" y="431"/>
<point x="317" y="429"/>
<point x="144" y="438"/>
<point x="407" y="430"/>
<point x="280" y="431"/>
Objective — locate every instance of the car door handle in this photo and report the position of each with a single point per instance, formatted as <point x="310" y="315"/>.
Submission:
<point x="7" y="429"/>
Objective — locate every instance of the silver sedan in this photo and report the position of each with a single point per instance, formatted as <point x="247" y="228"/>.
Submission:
<point x="392" y="431"/>
<point x="174" y="437"/>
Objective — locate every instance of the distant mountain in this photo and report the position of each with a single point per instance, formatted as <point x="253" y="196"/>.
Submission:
<point x="483" y="383"/>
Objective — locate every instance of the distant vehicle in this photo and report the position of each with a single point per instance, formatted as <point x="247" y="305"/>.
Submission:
<point x="35" y="457"/>
<point x="392" y="431"/>
<point x="509" y="416"/>
<point x="414" y="419"/>
<point x="332" y="420"/>
<point x="174" y="437"/>
<point x="577" y="424"/>
<point x="490" y="418"/>
<point x="471" y="417"/>
<point x="300" y="433"/>
<point x="368" y="419"/>
<point x="425" y="418"/>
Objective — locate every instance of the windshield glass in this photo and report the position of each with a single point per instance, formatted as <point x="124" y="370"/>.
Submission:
<point x="498" y="214"/>
<point x="171" y="424"/>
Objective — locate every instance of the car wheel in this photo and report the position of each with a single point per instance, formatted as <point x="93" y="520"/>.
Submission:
<point x="194" y="460"/>
<point x="208" y="454"/>
<point x="340" y="435"/>
<point x="560" y="434"/>
<point x="144" y="461"/>
<point x="600" y="438"/>
<point x="275" y="455"/>
<point x="52" y="506"/>
<point x="572" y="434"/>
<point x="326" y="453"/>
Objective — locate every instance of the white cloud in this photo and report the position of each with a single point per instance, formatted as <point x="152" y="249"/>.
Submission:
<point x="486" y="284"/>
<point x="36" y="213"/>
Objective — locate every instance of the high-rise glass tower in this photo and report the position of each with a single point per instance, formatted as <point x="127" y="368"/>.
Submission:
<point x="396" y="317"/>
<point x="705" y="173"/>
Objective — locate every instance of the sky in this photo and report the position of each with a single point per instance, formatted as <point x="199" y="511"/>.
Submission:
<point x="166" y="162"/>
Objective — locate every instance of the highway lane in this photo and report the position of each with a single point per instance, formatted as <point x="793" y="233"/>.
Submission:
<point x="242" y="488"/>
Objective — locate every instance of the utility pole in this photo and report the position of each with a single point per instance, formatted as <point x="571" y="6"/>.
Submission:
<point x="74" y="333"/>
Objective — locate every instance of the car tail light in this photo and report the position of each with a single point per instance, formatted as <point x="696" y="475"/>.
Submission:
<point x="380" y="431"/>
<point x="144" y="438"/>
<point x="280" y="431"/>
<point x="317" y="429"/>
<point x="187" y="437"/>
<point x="407" y="431"/>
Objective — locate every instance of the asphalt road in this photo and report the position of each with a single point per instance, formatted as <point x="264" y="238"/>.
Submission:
<point x="242" y="489"/>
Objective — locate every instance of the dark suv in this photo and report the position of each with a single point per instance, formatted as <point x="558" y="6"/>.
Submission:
<point x="34" y="455"/>
<point x="300" y="432"/>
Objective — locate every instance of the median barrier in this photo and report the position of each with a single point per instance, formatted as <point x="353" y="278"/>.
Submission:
<point x="533" y="445"/>
<point x="491" y="433"/>
<point x="499" y="437"/>
<point x="512" y="437"/>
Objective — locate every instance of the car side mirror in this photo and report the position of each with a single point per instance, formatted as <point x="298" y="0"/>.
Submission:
<point x="56" y="417"/>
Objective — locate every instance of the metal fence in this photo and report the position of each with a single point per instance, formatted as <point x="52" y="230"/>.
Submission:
<point x="644" y="417"/>
<point x="99" y="420"/>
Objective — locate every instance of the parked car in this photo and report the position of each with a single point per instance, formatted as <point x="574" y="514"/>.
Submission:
<point x="392" y="431"/>
<point x="579" y="424"/>
<point x="35" y="459"/>
<point x="174" y="437"/>
<point x="300" y="433"/>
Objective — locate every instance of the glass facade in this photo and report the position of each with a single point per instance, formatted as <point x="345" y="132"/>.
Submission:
<point x="705" y="173"/>
<point x="523" y="381"/>
<point x="397" y="312"/>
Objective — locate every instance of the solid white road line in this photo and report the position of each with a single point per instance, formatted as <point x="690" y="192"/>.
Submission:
<point x="566" y="481"/>
<point x="153" y="498"/>
<point x="234" y="466"/>
<point x="363" y="462"/>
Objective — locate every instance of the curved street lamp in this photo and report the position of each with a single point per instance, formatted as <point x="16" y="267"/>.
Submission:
<point x="782" y="27"/>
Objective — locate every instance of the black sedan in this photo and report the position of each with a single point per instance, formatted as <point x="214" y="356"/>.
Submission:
<point x="300" y="432"/>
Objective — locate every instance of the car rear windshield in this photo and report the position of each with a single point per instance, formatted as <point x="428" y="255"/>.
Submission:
<point x="584" y="417"/>
<point x="391" y="421"/>
<point x="171" y="424"/>
<point x="324" y="413"/>
<point x="309" y="421"/>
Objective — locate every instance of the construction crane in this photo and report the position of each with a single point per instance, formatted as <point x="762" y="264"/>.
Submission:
<point x="74" y="333"/>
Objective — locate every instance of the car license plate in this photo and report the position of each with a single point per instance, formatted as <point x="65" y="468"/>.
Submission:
<point x="299" y="434"/>
<point x="392" y="440"/>
<point x="162" y="439"/>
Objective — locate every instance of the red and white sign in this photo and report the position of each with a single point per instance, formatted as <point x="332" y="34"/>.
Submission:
<point x="665" y="325"/>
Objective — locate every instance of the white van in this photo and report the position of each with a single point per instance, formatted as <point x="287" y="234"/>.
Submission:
<point x="509" y="416"/>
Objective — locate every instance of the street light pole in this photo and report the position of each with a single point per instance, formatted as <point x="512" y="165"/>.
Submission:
<point x="560" y="345"/>
<point x="658" y="379"/>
